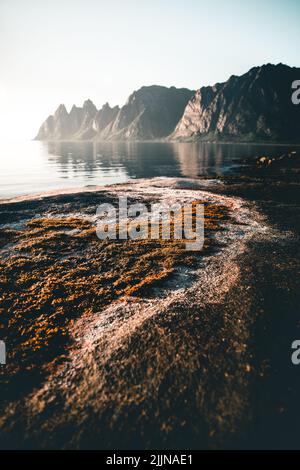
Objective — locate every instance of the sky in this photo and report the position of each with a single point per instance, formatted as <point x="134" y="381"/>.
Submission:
<point x="66" y="51"/>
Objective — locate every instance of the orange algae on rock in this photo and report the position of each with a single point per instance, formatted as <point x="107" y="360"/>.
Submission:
<point x="57" y="270"/>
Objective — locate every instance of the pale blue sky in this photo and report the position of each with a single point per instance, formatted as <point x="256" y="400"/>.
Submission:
<point x="55" y="51"/>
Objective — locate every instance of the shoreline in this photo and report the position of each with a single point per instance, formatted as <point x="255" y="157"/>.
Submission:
<point x="165" y="141"/>
<point x="202" y="324"/>
<point x="200" y="182"/>
<point x="109" y="329"/>
<point x="50" y="193"/>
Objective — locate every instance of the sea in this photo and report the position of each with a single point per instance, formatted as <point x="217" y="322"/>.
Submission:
<point x="29" y="167"/>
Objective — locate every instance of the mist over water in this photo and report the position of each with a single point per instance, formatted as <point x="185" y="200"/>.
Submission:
<point x="33" y="167"/>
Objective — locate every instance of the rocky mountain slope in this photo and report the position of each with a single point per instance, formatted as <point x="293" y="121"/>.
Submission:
<point x="150" y="113"/>
<point x="254" y="106"/>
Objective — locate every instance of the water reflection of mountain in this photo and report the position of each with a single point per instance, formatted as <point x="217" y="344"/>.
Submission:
<point x="203" y="159"/>
<point x="143" y="160"/>
<point x="137" y="160"/>
<point x="200" y="159"/>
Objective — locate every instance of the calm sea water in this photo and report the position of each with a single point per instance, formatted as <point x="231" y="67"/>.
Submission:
<point x="31" y="167"/>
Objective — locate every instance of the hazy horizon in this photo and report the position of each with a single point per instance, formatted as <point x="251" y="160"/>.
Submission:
<point x="69" y="51"/>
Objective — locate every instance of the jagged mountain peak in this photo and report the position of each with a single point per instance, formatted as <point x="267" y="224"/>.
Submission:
<point x="61" y="110"/>
<point x="75" y="108"/>
<point x="88" y="104"/>
<point x="107" y="106"/>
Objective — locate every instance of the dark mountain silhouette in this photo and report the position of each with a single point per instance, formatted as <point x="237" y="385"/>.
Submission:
<point x="254" y="106"/>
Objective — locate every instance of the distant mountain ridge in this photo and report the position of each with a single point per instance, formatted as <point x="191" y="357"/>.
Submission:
<point x="256" y="106"/>
<point x="150" y="113"/>
<point x="84" y="123"/>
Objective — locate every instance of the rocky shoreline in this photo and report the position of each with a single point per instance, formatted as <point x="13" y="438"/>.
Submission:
<point x="194" y="358"/>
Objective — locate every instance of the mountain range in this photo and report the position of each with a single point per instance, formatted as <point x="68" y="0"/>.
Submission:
<point x="150" y="113"/>
<point x="256" y="106"/>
